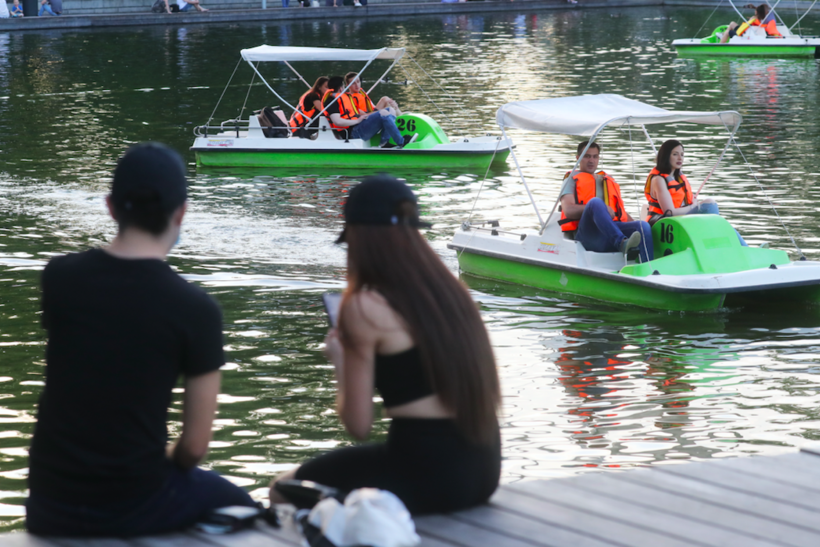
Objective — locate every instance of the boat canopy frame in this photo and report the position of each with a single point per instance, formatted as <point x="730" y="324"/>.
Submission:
<point x="588" y="115"/>
<point x="287" y="55"/>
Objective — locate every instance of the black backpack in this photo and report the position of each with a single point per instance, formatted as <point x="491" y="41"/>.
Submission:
<point x="158" y="7"/>
<point x="272" y="125"/>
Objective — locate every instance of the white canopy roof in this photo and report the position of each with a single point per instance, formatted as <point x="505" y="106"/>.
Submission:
<point x="275" y="53"/>
<point x="588" y="114"/>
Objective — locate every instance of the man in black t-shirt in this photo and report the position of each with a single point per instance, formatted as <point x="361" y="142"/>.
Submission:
<point x="122" y="327"/>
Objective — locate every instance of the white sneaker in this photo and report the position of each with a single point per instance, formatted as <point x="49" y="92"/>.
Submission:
<point x="356" y="5"/>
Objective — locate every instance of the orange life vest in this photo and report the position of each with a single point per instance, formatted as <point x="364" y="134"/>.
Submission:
<point x="770" y="27"/>
<point x="362" y="101"/>
<point x="347" y="108"/>
<point x="680" y="191"/>
<point x="586" y="189"/>
<point x="301" y="116"/>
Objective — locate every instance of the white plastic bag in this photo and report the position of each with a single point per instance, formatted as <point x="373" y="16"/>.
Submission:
<point x="369" y="516"/>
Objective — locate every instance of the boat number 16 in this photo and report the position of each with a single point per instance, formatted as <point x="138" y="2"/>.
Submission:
<point x="411" y="124"/>
<point x="666" y="233"/>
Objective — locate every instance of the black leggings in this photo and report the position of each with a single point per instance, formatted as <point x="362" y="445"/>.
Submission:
<point x="427" y="463"/>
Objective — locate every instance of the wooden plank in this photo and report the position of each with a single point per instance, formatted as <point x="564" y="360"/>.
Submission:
<point x="581" y="520"/>
<point x="732" y="499"/>
<point x="808" y="465"/>
<point x="427" y="541"/>
<point x="171" y="540"/>
<point x="525" y="528"/>
<point x="601" y="513"/>
<point x="464" y="534"/>
<point x="697" y="509"/>
<point x="768" y="468"/>
<point x="91" y="542"/>
<point x="22" y="539"/>
<point x="812" y="448"/>
<point x="748" y="484"/>
<point x="262" y="535"/>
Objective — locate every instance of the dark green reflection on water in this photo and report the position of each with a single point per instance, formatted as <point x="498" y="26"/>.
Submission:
<point x="585" y="385"/>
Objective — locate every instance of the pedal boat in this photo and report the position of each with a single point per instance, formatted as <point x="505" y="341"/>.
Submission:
<point x="242" y="142"/>
<point x="753" y="43"/>
<point x="699" y="265"/>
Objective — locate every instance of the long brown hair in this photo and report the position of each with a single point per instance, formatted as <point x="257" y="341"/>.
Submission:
<point x="441" y="316"/>
<point x="320" y="81"/>
<point x="663" y="162"/>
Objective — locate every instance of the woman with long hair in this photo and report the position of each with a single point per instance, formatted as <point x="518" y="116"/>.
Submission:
<point x="309" y="105"/>
<point x="410" y="330"/>
<point x="668" y="190"/>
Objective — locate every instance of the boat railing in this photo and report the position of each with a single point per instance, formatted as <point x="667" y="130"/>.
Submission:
<point x="481" y="226"/>
<point x="228" y="125"/>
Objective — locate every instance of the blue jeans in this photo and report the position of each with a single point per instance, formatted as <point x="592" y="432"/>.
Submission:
<point x="46" y="8"/>
<point x="712" y="209"/>
<point x="285" y="3"/>
<point x="374" y="123"/>
<point x="185" y="497"/>
<point x="186" y="7"/>
<point x="598" y="233"/>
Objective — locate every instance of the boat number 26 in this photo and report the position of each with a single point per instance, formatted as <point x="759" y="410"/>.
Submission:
<point x="411" y="125"/>
<point x="666" y="233"/>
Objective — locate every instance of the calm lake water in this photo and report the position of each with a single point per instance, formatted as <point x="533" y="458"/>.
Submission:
<point x="586" y="386"/>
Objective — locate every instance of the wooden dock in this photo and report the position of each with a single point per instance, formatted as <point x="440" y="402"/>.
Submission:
<point x="748" y="502"/>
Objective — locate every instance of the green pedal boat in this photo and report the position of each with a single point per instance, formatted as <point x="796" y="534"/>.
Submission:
<point x="243" y="142"/>
<point x="752" y="43"/>
<point x="699" y="265"/>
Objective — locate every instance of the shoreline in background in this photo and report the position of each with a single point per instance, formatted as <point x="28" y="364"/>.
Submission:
<point x="118" y="17"/>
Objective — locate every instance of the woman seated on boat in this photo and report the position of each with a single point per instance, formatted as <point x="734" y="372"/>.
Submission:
<point x="763" y="18"/>
<point x="668" y="190"/>
<point x="409" y="329"/>
<point x="362" y="100"/>
<point x="309" y="105"/>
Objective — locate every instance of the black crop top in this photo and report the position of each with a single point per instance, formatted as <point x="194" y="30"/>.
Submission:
<point x="400" y="378"/>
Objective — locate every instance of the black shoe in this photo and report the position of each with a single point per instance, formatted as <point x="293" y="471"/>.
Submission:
<point x="388" y="144"/>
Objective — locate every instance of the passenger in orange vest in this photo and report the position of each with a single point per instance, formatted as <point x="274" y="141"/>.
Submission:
<point x="593" y="212"/>
<point x="309" y="105"/>
<point x="763" y="18"/>
<point x="344" y="114"/>
<point x="363" y="102"/>
<point x="668" y="190"/>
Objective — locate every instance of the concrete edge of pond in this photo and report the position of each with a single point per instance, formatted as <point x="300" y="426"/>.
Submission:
<point x="324" y="13"/>
<point x="116" y="19"/>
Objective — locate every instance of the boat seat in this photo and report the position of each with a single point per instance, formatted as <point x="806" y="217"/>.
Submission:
<point x="607" y="261"/>
<point x="325" y="132"/>
<point x="254" y="129"/>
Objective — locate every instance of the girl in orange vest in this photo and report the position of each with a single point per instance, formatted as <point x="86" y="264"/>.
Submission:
<point x="668" y="190"/>
<point x="309" y="105"/>
<point x="763" y="18"/>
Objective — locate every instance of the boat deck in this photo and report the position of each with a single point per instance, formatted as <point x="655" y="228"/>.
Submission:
<point x="758" y="501"/>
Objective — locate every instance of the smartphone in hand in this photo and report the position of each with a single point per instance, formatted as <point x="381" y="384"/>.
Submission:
<point x="332" y="301"/>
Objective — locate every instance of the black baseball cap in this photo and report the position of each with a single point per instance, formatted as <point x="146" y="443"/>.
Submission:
<point x="150" y="173"/>
<point x="375" y="202"/>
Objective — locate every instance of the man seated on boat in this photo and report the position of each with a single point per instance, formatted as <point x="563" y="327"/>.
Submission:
<point x="309" y="105"/>
<point x="122" y="328"/>
<point x="344" y="115"/>
<point x="763" y="18"/>
<point x="593" y="212"/>
<point x="362" y="100"/>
